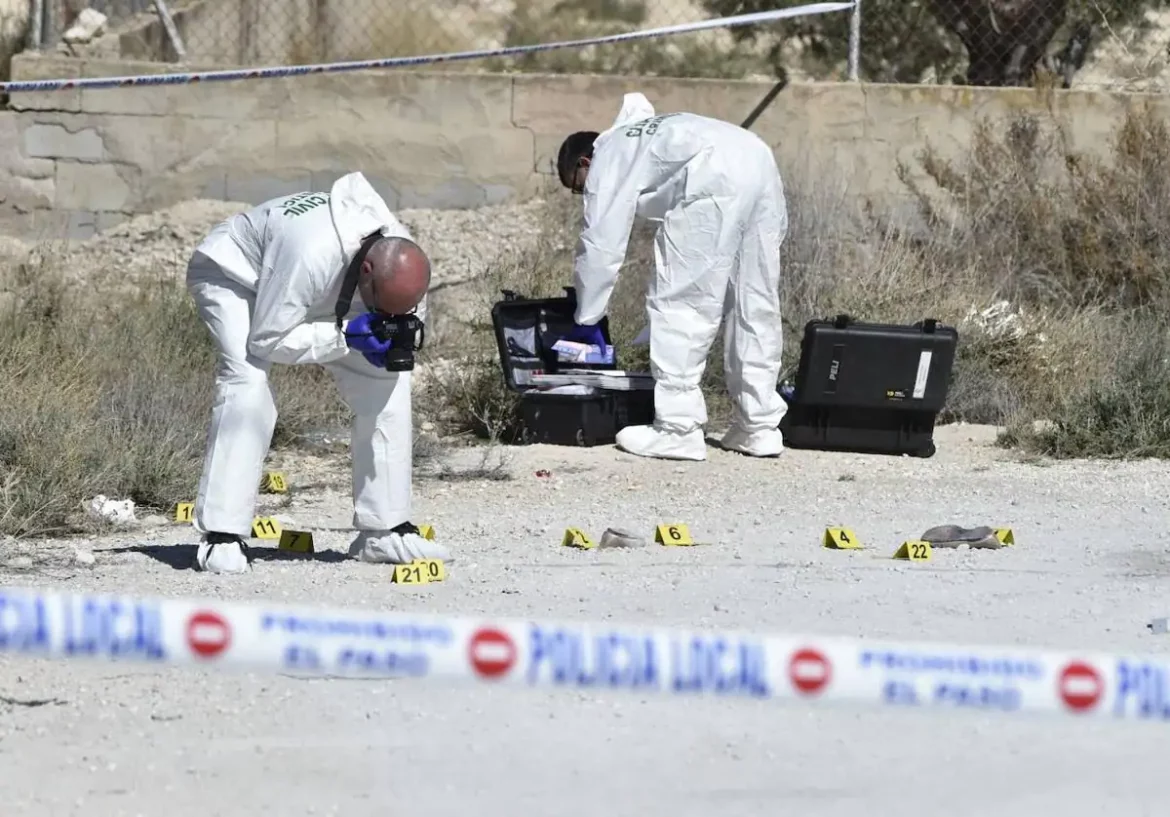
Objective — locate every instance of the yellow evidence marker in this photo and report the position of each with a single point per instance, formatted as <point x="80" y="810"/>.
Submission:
<point x="274" y="483"/>
<point x="296" y="541"/>
<point x="841" y="539"/>
<point x="915" y="550"/>
<point x="577" y="538"/>
<point x="265" y="527"/>
<point x="184" y="511"/>
<point x="673" y="535"/>
<point x="415" y="573"/>
<point x="434" y="568"/>
<point x="1005" y="536"/>
<point x="427" y="532"/>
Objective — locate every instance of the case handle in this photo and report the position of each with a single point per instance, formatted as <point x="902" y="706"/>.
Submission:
<point x="509" y="295"/>
<point x="929" y="325"/>
<point x="841" y="321"/>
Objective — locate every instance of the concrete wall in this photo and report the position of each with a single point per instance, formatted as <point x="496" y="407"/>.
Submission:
<point x="86" y="159"/>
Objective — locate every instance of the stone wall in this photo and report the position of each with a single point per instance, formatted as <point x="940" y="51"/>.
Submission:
<point x="83" y="159"/>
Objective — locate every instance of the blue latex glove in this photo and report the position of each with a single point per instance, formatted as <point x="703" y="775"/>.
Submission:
<point x="360" y="338"/>
<point x="587" y="334"/>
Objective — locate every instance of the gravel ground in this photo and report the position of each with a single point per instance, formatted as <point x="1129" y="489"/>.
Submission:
<point x="157" y="245"/>
<point x="1087" y="572"/>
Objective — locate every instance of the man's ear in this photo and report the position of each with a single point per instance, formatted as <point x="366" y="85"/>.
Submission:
<point x="584" y="161"/>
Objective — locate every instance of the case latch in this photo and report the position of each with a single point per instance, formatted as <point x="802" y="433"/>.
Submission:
<point x="509" y="295"/>
<point x="841" y="321"/>
<point x="929" y="325"/>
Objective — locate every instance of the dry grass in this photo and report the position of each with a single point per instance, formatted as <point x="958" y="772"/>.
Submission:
<point x="113" y="401"/>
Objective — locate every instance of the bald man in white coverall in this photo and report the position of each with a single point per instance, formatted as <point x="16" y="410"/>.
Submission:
<point x="267" y="283"/>
<point x="715" y="192"/>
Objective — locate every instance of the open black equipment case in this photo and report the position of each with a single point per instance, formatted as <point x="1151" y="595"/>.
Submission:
<point x="870" y="388"/>
<point x="526" y="330"/>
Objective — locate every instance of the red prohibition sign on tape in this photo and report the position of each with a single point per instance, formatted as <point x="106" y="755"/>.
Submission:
<point x="208" y="634"/>
<point x="1080" y="686"/>
<point x="809" y="670"/>
<point x="491" y="652"/>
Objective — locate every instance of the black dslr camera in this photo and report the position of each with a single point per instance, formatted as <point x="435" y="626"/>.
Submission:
<point x="406" y="334"/>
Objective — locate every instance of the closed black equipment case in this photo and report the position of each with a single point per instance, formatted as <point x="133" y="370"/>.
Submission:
<point x="870" y="388"/>
<point x="526" y="330"/>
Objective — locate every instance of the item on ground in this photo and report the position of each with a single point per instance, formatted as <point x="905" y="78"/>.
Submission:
<point x="114" y="511"/>
<point x="952" y="536"/>
<point x="621" y="538"/>
<point x="1159" y="626"/>
<point x="869" y="388"/>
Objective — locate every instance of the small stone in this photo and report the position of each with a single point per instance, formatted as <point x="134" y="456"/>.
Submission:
<point x="84" y="557"/>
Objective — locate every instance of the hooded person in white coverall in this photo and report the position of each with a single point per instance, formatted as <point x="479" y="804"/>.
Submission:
<point x="266" y="283"/>
<point x="716" y="194"/>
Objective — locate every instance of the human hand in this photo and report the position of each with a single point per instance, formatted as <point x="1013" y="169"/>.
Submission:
<point x="360" y="337"/>
<point x="587" y="334"/>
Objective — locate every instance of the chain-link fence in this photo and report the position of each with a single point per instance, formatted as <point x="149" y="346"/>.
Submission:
<point x="1116" y="44"/>
<point x="1113" y="44"/>
<point x="250" y="32"/>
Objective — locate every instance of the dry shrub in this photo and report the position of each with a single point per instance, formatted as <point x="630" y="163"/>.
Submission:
<point x="1075" y="245"/>
<point x="113" y="398"/>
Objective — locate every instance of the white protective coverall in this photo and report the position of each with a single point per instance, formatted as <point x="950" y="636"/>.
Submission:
<point x="266" y="283"/>
<point x="715" y="191"/>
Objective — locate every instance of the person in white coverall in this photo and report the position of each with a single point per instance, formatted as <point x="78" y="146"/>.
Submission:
<point x="716" y="194"/>
<point x="267" y="283"/>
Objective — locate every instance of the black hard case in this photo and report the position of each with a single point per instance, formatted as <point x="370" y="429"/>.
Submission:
<point x="870" y="388"/>
<point x="524" y="326"/>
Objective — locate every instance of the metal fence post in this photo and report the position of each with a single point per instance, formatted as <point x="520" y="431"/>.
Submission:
<point x="36" y="24"/>
<point x="168" y="22"/>
<point x="855" y="41"/>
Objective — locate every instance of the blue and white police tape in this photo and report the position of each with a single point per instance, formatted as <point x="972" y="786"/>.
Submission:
<point x="230" y="75"/>
<point x="599" y="657"/>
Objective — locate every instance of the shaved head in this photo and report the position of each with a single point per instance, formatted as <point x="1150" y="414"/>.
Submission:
<point x="395" y="276"/>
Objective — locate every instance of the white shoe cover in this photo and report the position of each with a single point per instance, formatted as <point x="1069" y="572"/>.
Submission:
<point x="766" y="443"/>
<point x="388" y="547"/>
<point x="648" y="441"/>
<point x="222" y="557"/>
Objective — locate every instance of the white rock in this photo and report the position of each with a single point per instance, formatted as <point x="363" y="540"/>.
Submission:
<point x="89" y="24"/>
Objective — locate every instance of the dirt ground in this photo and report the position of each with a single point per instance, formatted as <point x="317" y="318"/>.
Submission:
<point x="1088" y="571"/>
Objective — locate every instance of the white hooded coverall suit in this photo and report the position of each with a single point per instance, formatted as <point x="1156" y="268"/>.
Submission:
<point x="266" y="283"/>
<point x="716" y="193"/>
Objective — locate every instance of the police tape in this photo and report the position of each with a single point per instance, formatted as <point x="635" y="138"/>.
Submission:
<point x="338" y="643"/>
<point x="230" y="75"/>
